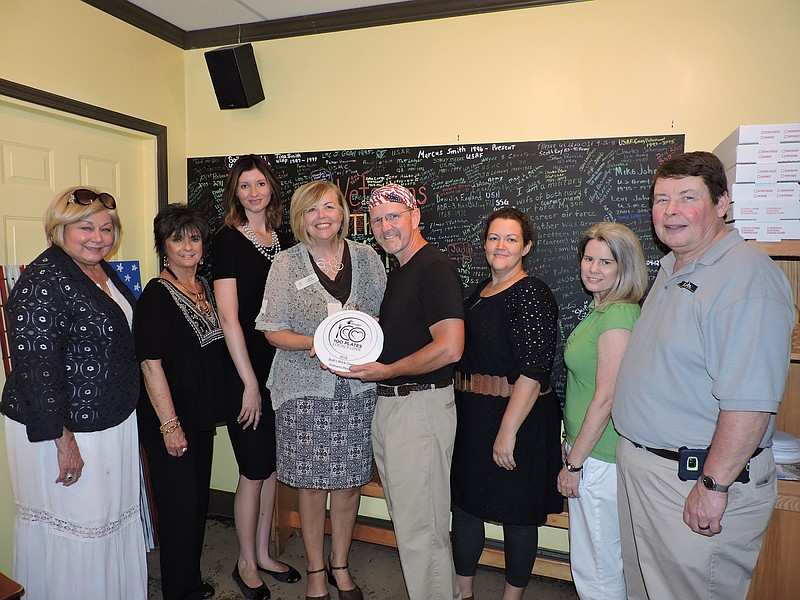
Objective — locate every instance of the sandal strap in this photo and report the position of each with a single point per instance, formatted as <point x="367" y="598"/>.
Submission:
<point x="340" y="568"/>
<point x="322" y="570"/>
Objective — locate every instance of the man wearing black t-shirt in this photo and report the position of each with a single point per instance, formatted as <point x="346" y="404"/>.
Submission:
<point x="414" y="426"/>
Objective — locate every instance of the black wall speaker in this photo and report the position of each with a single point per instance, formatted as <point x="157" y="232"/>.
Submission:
<point x="234" y="74"/>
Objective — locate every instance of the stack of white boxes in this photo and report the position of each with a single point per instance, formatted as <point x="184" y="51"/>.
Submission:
<point x="763" y="167"/>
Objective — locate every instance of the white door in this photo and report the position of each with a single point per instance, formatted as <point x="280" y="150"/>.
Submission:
<point x="43" y="152"/>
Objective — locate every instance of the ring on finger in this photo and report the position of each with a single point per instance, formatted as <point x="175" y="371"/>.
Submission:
<point x="701" y="528"/>
<point x="69" y="476"/>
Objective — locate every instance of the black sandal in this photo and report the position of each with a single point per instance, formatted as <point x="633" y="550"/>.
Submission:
<point x="354" y="594"/>
<point x="326" y="596"/>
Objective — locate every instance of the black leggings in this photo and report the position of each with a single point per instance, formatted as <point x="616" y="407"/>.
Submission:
<point x="520" y="546"/>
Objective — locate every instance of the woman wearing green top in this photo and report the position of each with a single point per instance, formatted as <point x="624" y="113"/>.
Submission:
<point x="613" y="270"/>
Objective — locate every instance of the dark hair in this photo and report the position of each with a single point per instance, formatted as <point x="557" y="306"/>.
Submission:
<point x="694" y="164"/>
<point x="179" y="218"/>
<point x="525" y="223"/>
<point x="233" y="209"/>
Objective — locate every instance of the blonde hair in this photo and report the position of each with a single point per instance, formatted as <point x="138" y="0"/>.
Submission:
<point x="631" y="283"/>
<point x="306" y="196"/>
<point x="61" y="213"/>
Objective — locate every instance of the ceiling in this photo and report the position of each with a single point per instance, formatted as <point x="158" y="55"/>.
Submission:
<point x="206" y="23"/>
<point x="191" y="15"/>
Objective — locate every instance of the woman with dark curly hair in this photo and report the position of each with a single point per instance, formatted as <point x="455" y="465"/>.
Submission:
<point x="506" y="454"/>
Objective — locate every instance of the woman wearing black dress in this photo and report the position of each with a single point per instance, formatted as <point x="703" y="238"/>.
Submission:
<point x="507" y="448"/>
<point x="182" y="354"/>
<point x="242" y="256"/>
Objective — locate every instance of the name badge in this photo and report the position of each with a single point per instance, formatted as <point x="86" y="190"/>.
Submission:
<point x="306" y="281"/>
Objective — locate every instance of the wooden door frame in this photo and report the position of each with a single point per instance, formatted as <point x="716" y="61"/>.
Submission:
<point x="18" y="91"/>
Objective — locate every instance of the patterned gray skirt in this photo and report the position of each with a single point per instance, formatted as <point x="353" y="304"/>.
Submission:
<point x="325" y="443"/>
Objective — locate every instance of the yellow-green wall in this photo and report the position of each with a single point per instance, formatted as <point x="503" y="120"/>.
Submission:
<point x="591" y="69"/>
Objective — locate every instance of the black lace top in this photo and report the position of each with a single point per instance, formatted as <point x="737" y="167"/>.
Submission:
<point x="73" y="363"/>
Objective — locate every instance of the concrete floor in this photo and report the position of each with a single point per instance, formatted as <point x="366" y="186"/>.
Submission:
<point x="375" y="568"/>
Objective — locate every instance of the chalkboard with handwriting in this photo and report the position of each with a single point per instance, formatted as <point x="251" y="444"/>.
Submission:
<point x="565" y="186"/>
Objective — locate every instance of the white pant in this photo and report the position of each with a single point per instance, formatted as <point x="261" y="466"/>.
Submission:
<point x="595" y="552"/>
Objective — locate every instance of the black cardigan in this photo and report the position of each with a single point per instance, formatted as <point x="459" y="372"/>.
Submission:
<point x="72" y="353"/>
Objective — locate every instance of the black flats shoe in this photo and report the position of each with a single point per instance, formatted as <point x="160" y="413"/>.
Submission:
<point x="259" y="593"/>
<point x="208" y="590"/>
<point x="354" y="594"/>
<point x="289" y="576"/>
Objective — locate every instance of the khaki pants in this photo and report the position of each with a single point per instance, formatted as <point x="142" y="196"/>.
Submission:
<point x="662" y="558"/>
<point x="412" y="439"/>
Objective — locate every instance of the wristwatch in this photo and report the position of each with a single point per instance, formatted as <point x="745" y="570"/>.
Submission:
<point x="710" y="484"/>
<point x="572" y="468"/>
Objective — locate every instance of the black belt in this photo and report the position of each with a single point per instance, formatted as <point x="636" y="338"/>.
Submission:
<point x="673" y="455"/>
<point x="406" y="388"/>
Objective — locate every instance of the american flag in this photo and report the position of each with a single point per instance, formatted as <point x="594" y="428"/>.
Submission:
<point x="128" y="271"/>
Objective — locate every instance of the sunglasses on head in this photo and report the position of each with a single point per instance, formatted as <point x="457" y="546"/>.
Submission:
<point x="85" y="197"/>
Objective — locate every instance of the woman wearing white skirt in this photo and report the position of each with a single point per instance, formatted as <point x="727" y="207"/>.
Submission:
<point x="69" y="401"/>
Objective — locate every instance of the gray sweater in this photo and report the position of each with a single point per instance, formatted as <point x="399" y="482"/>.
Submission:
<point x="294" y="374"/>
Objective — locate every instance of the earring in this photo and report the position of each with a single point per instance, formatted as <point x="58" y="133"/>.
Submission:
<point x="202" y="260"/>
<point x="166" y="262"/>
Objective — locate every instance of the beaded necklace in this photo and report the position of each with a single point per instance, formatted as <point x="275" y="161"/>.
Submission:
<point x="199" y="298"/>
<point x="268" y="251"/>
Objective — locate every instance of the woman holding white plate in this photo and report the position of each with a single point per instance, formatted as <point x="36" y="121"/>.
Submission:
<point x="322" y="421"/>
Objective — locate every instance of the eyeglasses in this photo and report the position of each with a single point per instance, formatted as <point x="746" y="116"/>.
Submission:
<point x="85" y="197"/>
<point x="390" y="219"/>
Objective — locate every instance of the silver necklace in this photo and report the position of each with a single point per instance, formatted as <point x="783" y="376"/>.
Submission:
<point x="329" y="265"/>
<point x="268" y="251"/>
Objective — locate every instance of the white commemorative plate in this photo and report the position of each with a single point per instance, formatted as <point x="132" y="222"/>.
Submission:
<point x="348" y="337"/>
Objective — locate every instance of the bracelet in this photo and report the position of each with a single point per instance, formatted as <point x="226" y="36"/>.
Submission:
<point x="171" y="428"/>
<point x="166" y="428"/>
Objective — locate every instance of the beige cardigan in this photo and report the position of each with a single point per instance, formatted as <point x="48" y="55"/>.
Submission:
<point x="294" y="374"/>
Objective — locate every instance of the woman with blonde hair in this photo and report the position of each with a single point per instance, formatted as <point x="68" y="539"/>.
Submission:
<point x="69" y="400"/>
<point x="614" y="272"/>
<point x="322" y="420"/>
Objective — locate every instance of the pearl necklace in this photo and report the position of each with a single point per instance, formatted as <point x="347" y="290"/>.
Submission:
<point x="268" y="251"/>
